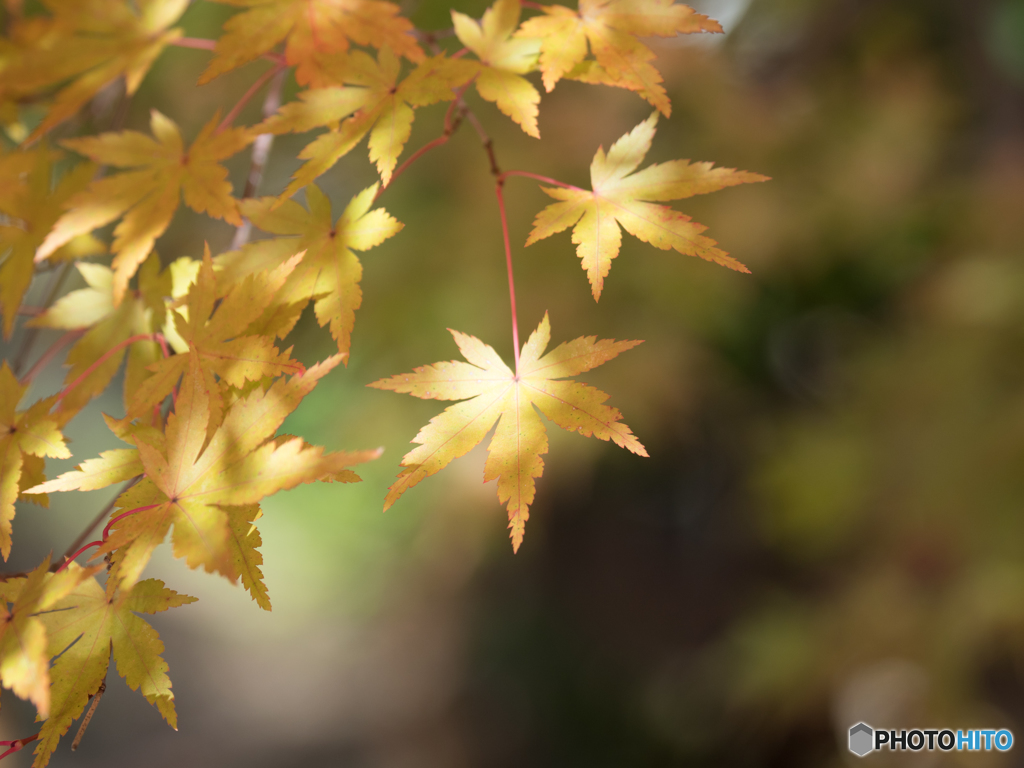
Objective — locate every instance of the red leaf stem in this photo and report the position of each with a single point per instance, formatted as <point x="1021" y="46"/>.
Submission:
<point x="508" y="262"/>
<point x="107" y="355"/>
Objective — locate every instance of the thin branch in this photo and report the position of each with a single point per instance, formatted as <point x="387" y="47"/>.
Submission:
<point x="260" y="153"/>
<point x="31" y="333"/>
<point x="532" y="5"/>
<point x="97" y="520"/>
<point x="49" y="354"/>
<point x="17" y="744"/>
<point x="206" y="44"/>
<point x="450" y="127"/>
<point x="106" y="356"/>
<point x="508" y="262"/>
<point x="88" y="715"/>
<point x="262" y="80"/>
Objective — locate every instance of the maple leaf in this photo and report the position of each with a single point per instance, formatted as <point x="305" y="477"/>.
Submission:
<point x="190" y="481"/>
<point x="503" y="61"/>
<point x="611" y="27"/>
<point x="314" y="28"/>
<point x="22" y="433"/>
<point x="619" y="198"/>
<point x="330" y="270"/>
<point x="85" y="627"/>
<point x="94" y="42"/>
<point x="373" y="102"/>
<point x="107" y="326"/>
<point x="148" y="196"/>
<point x="32" y="203"/>
<point x="492" y="392"/>
<point x="24" y="662"/>
<point x="220" y="339"/>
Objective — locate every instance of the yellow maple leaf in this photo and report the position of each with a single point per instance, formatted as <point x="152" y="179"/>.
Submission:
<point x="33" y="432"/>
<point x="492" y="392"/>
<point x="106" y="327"/>
<point x="24" y="661"/>
<point x="147" y="196"/>
<point x="190" y="480"/>
<point x="372" y="102"/>
<point x="31" y="204"/>
<point x="314" y="29"/>
<point x="86" y="628"/>
<point x="221" y="339"/>
<point x="611" y="27"/>
<point x="330" y="271"/>
<point x="504" y="60"/>
<point x="621" y="197"/>
<point x="92" y="43"/>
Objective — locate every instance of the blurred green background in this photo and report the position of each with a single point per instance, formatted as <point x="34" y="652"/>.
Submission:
<point x="830" y="526"/>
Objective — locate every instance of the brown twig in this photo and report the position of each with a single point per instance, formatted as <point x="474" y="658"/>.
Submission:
<point x="205" y="44"/>
<point x="49" y="354"/>
<point x="451" y="125"/>
<point x="88" y="715"/>
<point x="262" y="80"/>
<point x="31" y="333"/>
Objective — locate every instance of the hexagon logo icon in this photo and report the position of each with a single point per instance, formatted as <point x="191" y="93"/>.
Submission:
<point x="861" y="739"/>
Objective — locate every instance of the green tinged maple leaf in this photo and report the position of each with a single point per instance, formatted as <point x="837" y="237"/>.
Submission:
<point x="621" y="197"/>
<point x="314" y="29"/>
<point x="147" y="196"/>
<point x="192" y="479"/>
<point x="372" y="102"/>
<point x="492" y="392"/>
<point x="504" y="60"/>
<point x="329" y="271"/>
<point x="22" y="434"/>
<point x="85" y="627"/>
<point x="24" y="660"/>
<point x="611" y="28"/>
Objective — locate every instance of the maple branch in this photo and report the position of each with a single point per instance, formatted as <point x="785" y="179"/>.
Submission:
<point x="508" y="261"/>
<point x="88" y="715"/>
<point x="158" y="337"/>
<point x="545" y="179"/>
<point x="49" y="354"/>
<point x="262" y="80"/>
<point x="30" y="335"/>
<point x="97" y="520"/>
<point x="17" y="744"/>
<point x="534" y="6"/>
<point x="450" y="127"/>
<point x="260" y="152"/>
<point x="206" y="44"/>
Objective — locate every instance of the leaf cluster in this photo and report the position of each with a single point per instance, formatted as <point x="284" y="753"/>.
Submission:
<point x="208" y="378"/>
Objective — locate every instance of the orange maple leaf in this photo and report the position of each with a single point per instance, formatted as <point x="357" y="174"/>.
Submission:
<point x="314" y="29"/>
